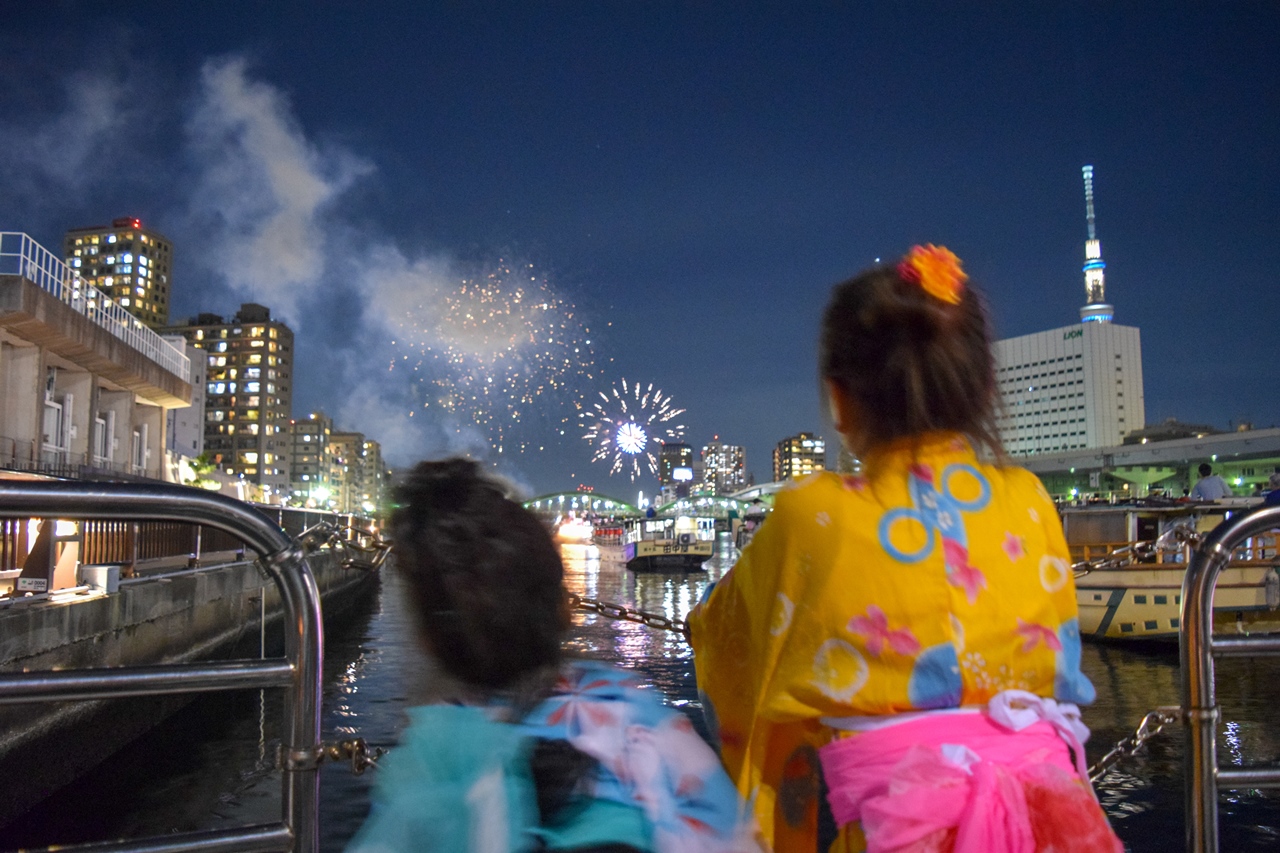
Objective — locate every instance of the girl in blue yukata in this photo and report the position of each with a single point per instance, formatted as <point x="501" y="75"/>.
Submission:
<point x="537" y="752"/>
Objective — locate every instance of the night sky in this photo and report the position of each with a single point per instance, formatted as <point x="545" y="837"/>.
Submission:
<point x="680" y="184"/>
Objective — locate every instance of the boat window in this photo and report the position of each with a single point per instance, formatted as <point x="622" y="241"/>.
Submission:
<point x="1162" y="599"/>
<point x="1151" y="624"/>
<point x="1126" y="628"/>
<point x="1139" y="599"/>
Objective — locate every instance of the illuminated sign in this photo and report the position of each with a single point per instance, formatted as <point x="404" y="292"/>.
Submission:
<point x="682" y="473"/>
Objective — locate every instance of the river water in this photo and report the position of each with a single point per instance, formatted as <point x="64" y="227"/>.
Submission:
<point x="211" y="765"/>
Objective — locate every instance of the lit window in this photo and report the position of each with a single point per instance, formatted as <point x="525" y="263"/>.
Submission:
<point x="249" y="456"/>
<point x="125" y="302"/>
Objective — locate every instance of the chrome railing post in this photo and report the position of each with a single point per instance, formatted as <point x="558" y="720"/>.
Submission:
<point x="299" y="672"/>
<point x="304" y="648"/>
<point x="1196" y="648"/>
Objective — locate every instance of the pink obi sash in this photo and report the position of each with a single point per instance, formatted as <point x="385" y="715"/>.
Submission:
<point x="1003" y="779"/>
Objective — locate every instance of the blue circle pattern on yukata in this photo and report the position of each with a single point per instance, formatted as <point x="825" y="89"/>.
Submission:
<point x="935" y="679"/>
<point x="1069" y="683"/>
<point x="938" y="511"/>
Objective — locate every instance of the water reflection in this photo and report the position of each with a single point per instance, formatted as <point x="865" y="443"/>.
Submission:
<point x="210" y="767"/>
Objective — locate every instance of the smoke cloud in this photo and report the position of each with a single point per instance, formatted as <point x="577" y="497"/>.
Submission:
<point x="253" y="204"/>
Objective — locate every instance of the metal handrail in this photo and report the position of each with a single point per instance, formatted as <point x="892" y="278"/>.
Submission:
<point x="299" y="671"/>
<point x="1197" y="648"/>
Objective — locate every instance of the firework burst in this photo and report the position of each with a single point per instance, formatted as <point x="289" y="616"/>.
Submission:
<point x="628" y="425"/>
<point x="501" y="349"/>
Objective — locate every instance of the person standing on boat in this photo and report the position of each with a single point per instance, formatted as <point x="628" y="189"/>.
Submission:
<point x="911" y="633"/>
<point x="531" y="752"/>
<point x="1210" y="487"/>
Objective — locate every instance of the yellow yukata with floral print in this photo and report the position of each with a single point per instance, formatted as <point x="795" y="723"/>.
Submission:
<point x="932" y="581"/>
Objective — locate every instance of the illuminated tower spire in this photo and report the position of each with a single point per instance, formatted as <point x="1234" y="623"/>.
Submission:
<point x="1096" y="309"/>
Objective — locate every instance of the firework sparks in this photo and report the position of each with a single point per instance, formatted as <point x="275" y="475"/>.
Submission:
<point x="503" y="350"/>
<point x="628" y="425"/>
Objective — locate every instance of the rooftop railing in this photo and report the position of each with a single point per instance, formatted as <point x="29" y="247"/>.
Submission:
<point x="21" y="255"/>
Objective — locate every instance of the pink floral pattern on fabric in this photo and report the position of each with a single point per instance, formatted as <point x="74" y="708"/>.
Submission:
<point x="855" y="484"/>
<point x="1033" y="635"/>
<point x="962" y="575"/>
<point x="1013" y="547"/>
<point x="874" y="627"/>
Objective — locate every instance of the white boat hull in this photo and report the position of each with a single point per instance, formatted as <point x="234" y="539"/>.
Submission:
<point x="1143" y="602"/>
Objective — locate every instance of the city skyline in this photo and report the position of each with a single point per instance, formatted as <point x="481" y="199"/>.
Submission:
<point x="683" y="183"/>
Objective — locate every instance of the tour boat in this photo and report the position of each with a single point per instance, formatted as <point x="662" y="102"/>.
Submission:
<point x="678" y="543"/>
<point x="1141" y="598"/>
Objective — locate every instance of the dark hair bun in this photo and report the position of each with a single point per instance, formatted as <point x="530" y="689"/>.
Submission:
<point x="434" y="491"/>
<point x="912" y="362"/>
<point x="485" y="575"/>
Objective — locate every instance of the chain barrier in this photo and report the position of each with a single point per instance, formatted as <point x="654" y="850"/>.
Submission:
<point x="356" y="750"/>
<point x="1127" y="747"/>
<point x="626" y="614"/>
<point x="1171" y="541"/>
<point x="350" y="540"/>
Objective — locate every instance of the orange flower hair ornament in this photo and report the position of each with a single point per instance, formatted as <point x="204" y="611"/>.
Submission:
<point x="937" y="270"/>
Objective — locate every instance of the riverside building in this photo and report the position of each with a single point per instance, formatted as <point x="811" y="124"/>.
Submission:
<point x="799" y="456"/>
<point x="249" y="395"/>
<point x="724" y="467"/>
<point x="129" y="263"/>
<point x="310" y="460"/>
<point x="1078" y="386"/>
<point x="86" y="386"/>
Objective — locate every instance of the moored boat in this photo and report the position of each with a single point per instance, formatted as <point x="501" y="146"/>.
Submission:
<point x="668" y="544"/>
<point x="1131" y="591"/>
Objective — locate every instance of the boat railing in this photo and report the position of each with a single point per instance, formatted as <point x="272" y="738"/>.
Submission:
<point x="1198" y="647"/>
<point x="1259" y="549"/>
<point x="298" y="672"/>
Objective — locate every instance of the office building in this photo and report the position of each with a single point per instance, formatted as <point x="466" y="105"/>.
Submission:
<point x="249" y="394"/>
<point x="129" y="263"/>
<point x="724" y="467"/>
<point x="1078" y="386"/>
<point x="799" y="456"/>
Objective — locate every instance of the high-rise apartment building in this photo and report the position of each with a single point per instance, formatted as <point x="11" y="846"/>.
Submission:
<point x="248" y="394"/>
<point x="799" y="456"/>
<point x="131" y="264"/>
<point x="346" y="461"/>
<point x="724" y="466"/>
<point x="375" y="478"/>
<point x="309" y="460"/>
<point x="1078" y="386"/>
<point x="674" y="460"/>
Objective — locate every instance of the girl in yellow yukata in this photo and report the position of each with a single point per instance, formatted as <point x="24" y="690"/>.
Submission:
<point x="909" y="632"/>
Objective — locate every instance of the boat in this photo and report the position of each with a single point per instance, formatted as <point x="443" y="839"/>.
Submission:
<point x="1130" y="588"/>
<point x="673" y="543"/>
